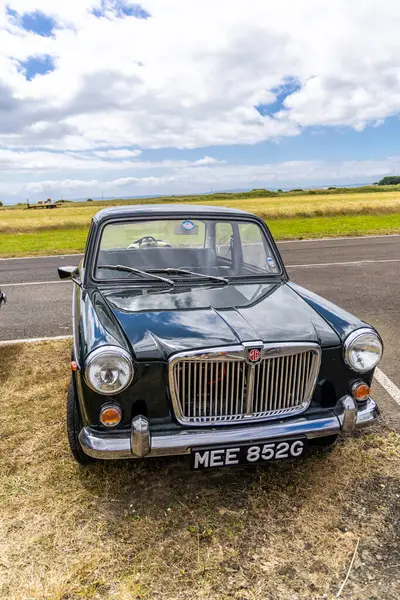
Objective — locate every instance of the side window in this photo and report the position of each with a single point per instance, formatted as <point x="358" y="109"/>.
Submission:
<point x="255" y="250"/>
<point x="88" y="242"/>
<point x="223" y="235"/>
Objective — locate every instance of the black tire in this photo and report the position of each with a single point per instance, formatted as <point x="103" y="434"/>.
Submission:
<point x="74" y="425"/>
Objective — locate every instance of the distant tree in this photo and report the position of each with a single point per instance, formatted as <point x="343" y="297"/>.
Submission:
<point x="390" y="180"/>
<point x="1" y="204"/>
<point x="89" y="200"/>
<point x="297" y="190"/>
<point x="332" y="188"/>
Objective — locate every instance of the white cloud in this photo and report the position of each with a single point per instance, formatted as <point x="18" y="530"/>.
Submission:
<point x="207" y="160"/>
<point x="69" y="185"/>
<point x="122" y="153"/>
<point x="40" y="160"/>
<point x="222" y="176"/>
<point x="118" y="159"/>
<point x="190" y="76"/>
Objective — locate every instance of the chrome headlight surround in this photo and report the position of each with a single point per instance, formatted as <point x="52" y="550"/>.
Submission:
<point x="110" y="362"/>
<point x="362" y="341"/>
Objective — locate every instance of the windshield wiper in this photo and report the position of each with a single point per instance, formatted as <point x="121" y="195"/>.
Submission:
<point x="137" y="272"/>
<point x="185" y="272"/>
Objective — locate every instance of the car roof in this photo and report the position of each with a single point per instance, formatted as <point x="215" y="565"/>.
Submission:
<point x="185" y="210"/>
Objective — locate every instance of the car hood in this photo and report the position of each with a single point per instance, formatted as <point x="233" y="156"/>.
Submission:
<point x="158" y="324"/>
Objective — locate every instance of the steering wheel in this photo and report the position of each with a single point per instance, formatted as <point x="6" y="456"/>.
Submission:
<point x="150" y="241"/>
<point x="145" y="238"/>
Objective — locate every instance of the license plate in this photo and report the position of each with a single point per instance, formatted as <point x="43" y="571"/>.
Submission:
<point x="208" y="458"/>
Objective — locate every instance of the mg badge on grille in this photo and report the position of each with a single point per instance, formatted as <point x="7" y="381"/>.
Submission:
<point x="254" y="355"/>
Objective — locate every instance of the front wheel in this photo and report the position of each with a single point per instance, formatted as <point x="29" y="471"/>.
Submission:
<point x="74" y="425"/>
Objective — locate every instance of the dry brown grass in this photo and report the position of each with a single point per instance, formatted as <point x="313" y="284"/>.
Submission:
<point x="75" y="215"/>
<point x="153" y="529"/>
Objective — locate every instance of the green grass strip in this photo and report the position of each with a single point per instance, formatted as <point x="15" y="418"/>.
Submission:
<point x="65" y="241"/>
<point x="57" y="241"/>
<point x="317" y="227"/>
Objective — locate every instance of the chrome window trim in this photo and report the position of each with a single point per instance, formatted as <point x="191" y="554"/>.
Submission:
<point x="239" y="353"/>
<point x="91" y="271"/>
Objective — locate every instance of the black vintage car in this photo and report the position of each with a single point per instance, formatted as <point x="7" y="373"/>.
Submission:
<point x="189" y="338"/>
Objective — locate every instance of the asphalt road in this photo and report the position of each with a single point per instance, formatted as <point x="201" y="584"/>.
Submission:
<point x="360" y="274"/>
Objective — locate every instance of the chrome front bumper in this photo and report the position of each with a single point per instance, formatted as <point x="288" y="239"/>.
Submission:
<point x="142" y="443"/>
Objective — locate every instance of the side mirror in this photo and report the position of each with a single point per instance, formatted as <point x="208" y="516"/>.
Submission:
<point x="69" y="273"/>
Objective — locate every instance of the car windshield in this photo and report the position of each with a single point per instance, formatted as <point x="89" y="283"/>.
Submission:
<point x="166" y="250"/>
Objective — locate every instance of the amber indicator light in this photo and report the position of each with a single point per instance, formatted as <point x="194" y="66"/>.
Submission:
<point x="360" y="391"/>
<point x="110" y="416"/>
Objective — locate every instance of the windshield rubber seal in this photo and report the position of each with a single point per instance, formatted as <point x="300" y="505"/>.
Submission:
<point x="91" y="280"/>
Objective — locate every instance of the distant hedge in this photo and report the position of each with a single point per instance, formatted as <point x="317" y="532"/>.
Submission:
<point x="390" y="180"/>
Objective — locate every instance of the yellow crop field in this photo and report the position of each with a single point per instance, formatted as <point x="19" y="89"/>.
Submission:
<point x="29" y="232"/>
<point x="76" y="215"/>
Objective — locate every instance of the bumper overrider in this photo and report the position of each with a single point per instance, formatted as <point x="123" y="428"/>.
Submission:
<point x="141" y="442"/>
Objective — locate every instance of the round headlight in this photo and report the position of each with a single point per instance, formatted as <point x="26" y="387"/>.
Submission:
<point x="109" y="370"/>
<point x="362" y="350"/>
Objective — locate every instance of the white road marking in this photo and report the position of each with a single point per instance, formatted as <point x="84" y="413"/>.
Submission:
<point x="35" y="257"/>
<point x="35" y="340"/>
<point x="34" y="283"/>
<point x="327" y="239"/>
<point x="346" y="237"/>
<point x="305" y="266"/>
<point x="388" y="385"/>
<point x="333" y="264"/>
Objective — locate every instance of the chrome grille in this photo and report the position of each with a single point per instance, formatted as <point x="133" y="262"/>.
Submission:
<point x="212" y="389"/>
<point x="281" y="383"/>
<point x="220" y="386"/>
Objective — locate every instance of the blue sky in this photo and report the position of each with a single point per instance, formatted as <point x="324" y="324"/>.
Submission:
<point x="121" y="9"/>
<point x="35" y="21"/>
<point x="283" y="91"/>
<point x="122" y="98"/>
<point x="325" y="143"/>
<point x="37" y="65"/>
<point x="38" y="22"/>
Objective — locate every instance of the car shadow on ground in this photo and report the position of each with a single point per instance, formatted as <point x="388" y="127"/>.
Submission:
<point x="154" y="484"/>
